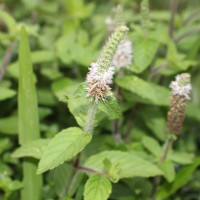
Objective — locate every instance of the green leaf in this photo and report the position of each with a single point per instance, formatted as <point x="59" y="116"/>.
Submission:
<point x="9" y="125"/>
<point x="130" y="164"/>
<point x="75" y="183"/>
<point x="6" y="93"/>
<point x="155" y="94"/>
<point x="110" y="107"/>
<point x="169" y="171"/>
<point x="79" y="104"/>
<point x="28" y="118"/>
<point x="60" y="178"/>
<point x="32" y="149"/>
<point x="76" y="50"/>
<point x="36" y="57"/>
<point x="181" y="179"/>
<point x="64" y="146"/>
<point x="181" y="157"/>
<point x="152" y="145"/>
<point x="97" y="187"/>
<point x="155" y="121"/>
<point x="64" y="86"/>
<point x="8" y="19"/>
<point x="144" y="52"/>
<point x="193" y="111"/>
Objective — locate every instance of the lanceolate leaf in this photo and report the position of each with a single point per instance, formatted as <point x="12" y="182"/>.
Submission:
<point x="28" y="118"/>
<point x="129" y="164"/>
<point x="64" y="146"/>
<point x="97" y="187"/>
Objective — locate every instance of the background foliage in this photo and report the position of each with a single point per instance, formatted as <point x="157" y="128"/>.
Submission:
<point x="65" y="36"/>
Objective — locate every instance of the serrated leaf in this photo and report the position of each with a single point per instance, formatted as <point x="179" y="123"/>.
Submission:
<point x="64" y="146"/>
<point x="152" y="145"/>
<point x="32" y="149"/>
<point x="130" y="164"/>
<point x="155" y="94"/>
<point x="97" y="187"/>
<point x="110" y="107"/>
<point x="144" y="52"/>
<point x="6" y="93"/>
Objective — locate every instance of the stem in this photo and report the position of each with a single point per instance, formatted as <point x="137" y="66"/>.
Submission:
<point x="6" y="59"/>
<point x="116" y="125"/>
<point x="187" y="33"/>
<point x="173" y="8"/>
<point x="90" y="170"/>
<point x="191" y="17"/>
<point x="166" y="149"/>
<point x="116" y="131"/>
<point x="90" y="118"/>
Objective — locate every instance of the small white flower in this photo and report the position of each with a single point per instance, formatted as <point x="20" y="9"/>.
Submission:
<point x="98" y="81"/>
<point x="181" y="86"/>
<point x="123" y="55"/>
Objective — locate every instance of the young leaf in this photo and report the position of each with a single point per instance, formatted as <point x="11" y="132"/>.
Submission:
<point x="64" y="146"/>
<point x="155" y="94"/>
<point x="97" y="187"/>
<point x="129" y="164"/>
<point x="110" y="107"/>
<point x="32" y="149"/>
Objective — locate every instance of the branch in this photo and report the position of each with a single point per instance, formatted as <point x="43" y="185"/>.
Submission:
<point x="7" y="59"/>
<point x="187" y="34"/>
<point x="173" y="9"/>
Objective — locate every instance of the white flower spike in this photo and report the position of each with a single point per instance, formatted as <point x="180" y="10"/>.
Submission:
<point x="101" y="73"/>
<point x="181" y="86"/>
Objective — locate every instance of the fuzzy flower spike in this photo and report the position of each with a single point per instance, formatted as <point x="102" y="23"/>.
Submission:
<point x="123" y="55"/>
<point x="181" y="89"/>
<point x="101" y="73"/>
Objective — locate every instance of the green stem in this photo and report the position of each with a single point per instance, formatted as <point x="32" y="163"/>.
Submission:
<point x="90" y="118"/>
<point x="166" y="149"/>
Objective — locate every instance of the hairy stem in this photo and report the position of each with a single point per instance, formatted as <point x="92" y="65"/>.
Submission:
<point x="90" y="118"/>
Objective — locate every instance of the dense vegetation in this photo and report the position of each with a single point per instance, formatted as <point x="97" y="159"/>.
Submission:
<point x="65" y="136"/>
